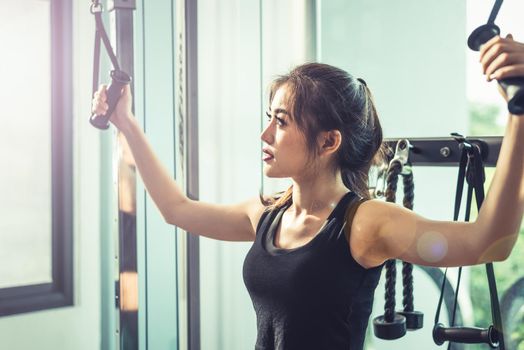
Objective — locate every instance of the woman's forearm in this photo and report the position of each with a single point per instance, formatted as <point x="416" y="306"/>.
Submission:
<point x="500" y="217"/>
<point x="159" y="184"/>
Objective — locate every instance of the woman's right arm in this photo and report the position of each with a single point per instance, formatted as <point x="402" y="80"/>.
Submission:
<point x="223" y="222"/>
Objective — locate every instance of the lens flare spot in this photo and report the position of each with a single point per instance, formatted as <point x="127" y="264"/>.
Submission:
<point x="432" y="246"/>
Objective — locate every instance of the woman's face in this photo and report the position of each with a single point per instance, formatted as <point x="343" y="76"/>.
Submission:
<point x="284" y="142"/>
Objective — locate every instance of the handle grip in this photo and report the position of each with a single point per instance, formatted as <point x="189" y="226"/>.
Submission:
<point x="514" y="88"/>
<point x="118" y="80"/>
<point x="469" y="335"/>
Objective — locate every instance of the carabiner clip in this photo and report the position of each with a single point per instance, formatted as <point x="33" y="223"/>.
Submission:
<point x="95" y="7"/>
<point x="402" y="156"/>
<point x="380" y="181"/>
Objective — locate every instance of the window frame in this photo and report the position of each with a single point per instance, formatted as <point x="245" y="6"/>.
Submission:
<point x="59" y="292"/>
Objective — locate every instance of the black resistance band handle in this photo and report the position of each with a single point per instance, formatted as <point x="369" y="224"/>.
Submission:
<point x="118" y="80"/>
<point x="469" y="335"/>
<point x="514" y="87"/>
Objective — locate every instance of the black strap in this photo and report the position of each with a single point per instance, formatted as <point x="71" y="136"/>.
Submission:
<point x="494" y="11"/>
<point x="472" y="169"/>
<point x="101" y="35"/>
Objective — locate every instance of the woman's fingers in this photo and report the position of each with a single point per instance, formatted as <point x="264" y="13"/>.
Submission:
<point x="502" y="58"/>
<point x="98" y="105"/>
<point x="100" y="109"/>
<point x="515" y="70"/>
<point x="488" y="44"/>
<point x="505" y="59"/>
<point x="101" y="92"/>
<point x="494" y="50"/>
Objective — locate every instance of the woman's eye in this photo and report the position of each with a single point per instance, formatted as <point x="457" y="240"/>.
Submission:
<point x="279" y="120"/>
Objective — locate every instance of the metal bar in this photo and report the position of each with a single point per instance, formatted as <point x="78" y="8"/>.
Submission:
<point x="122" y="16"/>
<point x="193" y="273"/>
<point x="444" y="151"/>
<point x="124" y="4"/>
<point x="62" y="162"/>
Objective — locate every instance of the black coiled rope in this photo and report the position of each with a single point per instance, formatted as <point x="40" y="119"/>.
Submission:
<point x="395" y="169"/>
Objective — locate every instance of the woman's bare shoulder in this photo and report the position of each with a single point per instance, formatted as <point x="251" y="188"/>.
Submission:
<point x="364" y="240"/>
<point x="254" y="209"/>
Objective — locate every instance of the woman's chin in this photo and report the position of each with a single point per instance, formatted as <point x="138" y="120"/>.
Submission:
<point x="268" y="171"/>
<point x="271" y="174"/>
<point x="271" y="171"/>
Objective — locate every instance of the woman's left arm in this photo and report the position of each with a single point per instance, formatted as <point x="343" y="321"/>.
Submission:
<point x="397" y="232"/>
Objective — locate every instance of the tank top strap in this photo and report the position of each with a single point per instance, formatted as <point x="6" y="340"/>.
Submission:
<point x="342" y="205"/>
<point x="265" y="220"/>
<point x="350" y="214"/>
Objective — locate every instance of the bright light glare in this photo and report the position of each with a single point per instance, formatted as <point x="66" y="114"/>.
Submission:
<point x="25" y="142"/>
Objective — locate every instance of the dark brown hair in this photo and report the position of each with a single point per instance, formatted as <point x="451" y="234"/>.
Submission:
<point x="324" y="98"/>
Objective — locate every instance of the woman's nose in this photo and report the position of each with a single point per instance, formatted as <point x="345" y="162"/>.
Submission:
<point x="267" y="134"/>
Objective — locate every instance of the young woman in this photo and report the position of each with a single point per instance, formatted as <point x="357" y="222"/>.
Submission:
<point x="318" y="248"/>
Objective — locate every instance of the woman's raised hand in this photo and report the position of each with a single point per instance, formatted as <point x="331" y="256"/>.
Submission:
<point x="122" y="114"/>
<point x="502" y="58"/>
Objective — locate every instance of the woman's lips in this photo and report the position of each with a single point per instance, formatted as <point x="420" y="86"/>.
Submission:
<point x="267" y="155"/>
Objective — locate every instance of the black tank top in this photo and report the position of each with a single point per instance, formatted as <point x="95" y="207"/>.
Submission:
<point x="311" y="297"/>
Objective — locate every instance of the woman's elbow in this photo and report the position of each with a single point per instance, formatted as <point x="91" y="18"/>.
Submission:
<point x="502" y="256"/>
<point x="499" y="250"/>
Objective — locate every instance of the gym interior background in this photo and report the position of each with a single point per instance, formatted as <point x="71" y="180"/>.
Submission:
<point x="59" y="169"/>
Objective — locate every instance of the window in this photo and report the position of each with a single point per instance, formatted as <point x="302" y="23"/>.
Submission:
<point x="36" y="152"/>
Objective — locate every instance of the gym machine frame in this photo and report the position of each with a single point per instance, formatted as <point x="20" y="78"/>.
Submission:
<point x="122" y="10"/>
<point x="437" y="152"/>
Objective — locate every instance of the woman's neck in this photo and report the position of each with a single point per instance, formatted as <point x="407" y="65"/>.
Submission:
<point x="316" y="196"/>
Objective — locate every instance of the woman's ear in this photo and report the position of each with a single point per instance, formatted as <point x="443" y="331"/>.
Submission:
<point x="330" y="141"/>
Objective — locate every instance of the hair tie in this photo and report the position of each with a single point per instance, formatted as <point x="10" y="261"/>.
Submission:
<point x="362" y="81"/>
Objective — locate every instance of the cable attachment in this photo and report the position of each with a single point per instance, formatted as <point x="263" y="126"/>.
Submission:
<point x="475" y="152"/>
<point x="402" y="156"/>
<point x="471" y="169"/>
<point x="119" y="78"/>
<point x="393" y="325"/>
<point x="378" y="174"/>
<point x="95" y="7"/>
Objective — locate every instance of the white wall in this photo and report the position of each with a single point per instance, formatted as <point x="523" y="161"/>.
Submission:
<point x="229" y="151"/>
<point x="76" y="327"/>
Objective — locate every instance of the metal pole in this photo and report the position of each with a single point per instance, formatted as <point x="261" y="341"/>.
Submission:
<point x="122" y="34"/>
<point x="193" y="273"/>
